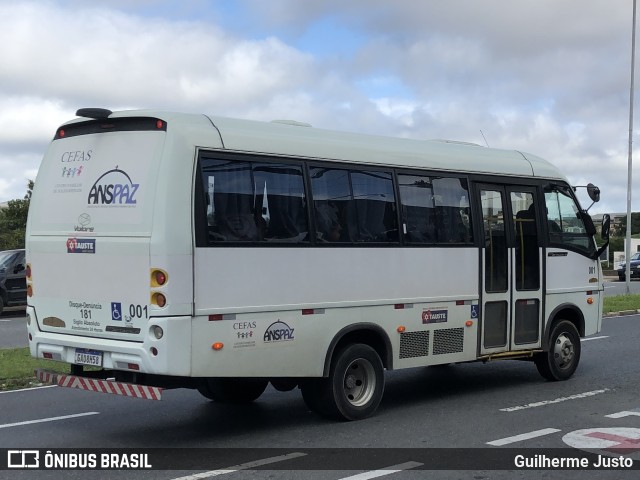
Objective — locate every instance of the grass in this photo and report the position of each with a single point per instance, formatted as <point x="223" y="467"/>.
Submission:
<point x="17" y="366"/>
<point x="621" y="303"/>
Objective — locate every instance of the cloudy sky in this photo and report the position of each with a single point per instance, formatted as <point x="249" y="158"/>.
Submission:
<point x="550" y="77"/>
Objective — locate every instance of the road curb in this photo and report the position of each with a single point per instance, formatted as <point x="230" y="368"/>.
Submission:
<point x="621" y="314"/>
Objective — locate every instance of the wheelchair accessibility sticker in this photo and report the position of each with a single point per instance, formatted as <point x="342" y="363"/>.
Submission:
<point x="116" y="311"/>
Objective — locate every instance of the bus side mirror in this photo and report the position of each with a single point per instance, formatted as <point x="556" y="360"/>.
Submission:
<point x="593" y="192"/>
<point x="606" y="227"/>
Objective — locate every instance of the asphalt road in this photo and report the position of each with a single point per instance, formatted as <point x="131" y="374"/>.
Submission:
<point x="13" y="330"/>
<point x="616" y="287"/>
<point x="488" y="408"/>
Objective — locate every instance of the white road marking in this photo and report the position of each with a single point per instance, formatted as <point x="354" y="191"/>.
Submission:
<point x="593" y="338"/>
<point x="523" y="436"/>
<point x="381" y="473"/>
<point x="51" y="419"/>
<point x="557" y="400"/>
<point x="242" y="466"/>
<point x="27" y="389"/>
<point x="627" y="413"/>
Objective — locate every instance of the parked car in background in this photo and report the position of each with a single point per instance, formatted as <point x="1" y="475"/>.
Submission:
<point x="635" y="267"/>
<point x="13" y="279"/>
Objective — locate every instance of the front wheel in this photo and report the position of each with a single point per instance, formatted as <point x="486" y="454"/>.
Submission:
<point x="354" y="388"/>
<point x="232" y="390"/>
<point x="561" y="361"/>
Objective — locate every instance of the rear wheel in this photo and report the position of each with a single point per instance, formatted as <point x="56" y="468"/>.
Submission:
<point x="562" y="359"/>
<point x="354" y="388"/>
<point x="232" y="390"/>
<point x="1" y="305"/>
<point x="622" y="276"/>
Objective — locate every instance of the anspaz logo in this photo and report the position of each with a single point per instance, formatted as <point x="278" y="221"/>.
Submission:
<point x="114" y="187"/>
<point x="278" y="332"/>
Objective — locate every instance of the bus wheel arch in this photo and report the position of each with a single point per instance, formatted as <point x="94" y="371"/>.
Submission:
<point x="365" y="333"/>
<point x="567" y="312"/>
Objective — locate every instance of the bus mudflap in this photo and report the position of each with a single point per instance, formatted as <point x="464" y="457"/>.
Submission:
<point x="99" y="385"/>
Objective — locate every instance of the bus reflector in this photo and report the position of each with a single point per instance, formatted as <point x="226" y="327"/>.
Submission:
<point x="469" y="323"/>
<point x="133" y="366"/>
<point x="29" y="291"/>
<point x="217" y="346"/>
<point x="48" y="355"/>
<point x="307" y="311"/>
<point x="590" y="300"/>
<point x="215" y="317"/>
<point x="157" y="332"/>
<point x="401" y="329"/>
<point x="399" y="306"/>
<point x="28" y="271"/>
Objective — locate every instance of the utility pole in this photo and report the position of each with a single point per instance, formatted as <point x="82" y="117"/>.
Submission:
<point x="627" y="243"/>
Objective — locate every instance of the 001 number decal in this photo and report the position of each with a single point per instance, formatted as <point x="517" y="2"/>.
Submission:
<point x="138" y="311"/>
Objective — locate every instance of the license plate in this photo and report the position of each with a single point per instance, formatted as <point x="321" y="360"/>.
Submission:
<point x="88" y="357"/>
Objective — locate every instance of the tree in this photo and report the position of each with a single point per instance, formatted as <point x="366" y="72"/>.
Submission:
<point x="621" y="229"/>
<point x="13" y="221"/>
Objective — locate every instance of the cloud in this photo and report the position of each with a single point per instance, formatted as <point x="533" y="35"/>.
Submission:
<point x="541" y="76"/>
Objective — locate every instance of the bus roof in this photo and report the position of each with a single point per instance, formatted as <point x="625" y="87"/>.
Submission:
<point x="296" y="139"/>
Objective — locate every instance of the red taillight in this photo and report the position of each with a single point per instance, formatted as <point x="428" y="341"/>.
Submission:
<point x="161" y="277"/>
<point x="28" y="271"/>
<point x="159" y="124"/>
<point x="158" y="277"/>
<point x="61" y="133"/>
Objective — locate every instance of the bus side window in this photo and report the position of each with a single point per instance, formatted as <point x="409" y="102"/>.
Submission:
<point x="252" y="202"/>
<point x="353" y="206"/>
<point x="435" y="209"/>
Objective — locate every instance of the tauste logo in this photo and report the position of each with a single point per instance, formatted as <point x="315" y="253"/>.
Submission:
<point x="81" y="245"/>
<point x="434" y="316"/>
<point x="114" y="187"/>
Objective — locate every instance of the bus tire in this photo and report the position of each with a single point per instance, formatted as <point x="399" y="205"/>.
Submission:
<point x="355" y="385"/>
<point x="561" y="361"/>
<point x="232" y="390"/>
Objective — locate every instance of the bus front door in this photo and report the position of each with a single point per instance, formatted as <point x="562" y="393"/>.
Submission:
<point x="511" y="256"/>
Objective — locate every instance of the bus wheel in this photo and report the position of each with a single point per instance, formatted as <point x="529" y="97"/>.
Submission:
<point x="232" y="390"/>
<point x="355" y="385"/>
<point x="562" y="359"/>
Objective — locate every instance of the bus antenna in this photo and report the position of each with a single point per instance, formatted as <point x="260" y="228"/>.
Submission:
<point x="485" y="140"/>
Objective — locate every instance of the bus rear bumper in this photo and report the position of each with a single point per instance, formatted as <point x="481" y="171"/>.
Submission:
<point x="169" y="355"/>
